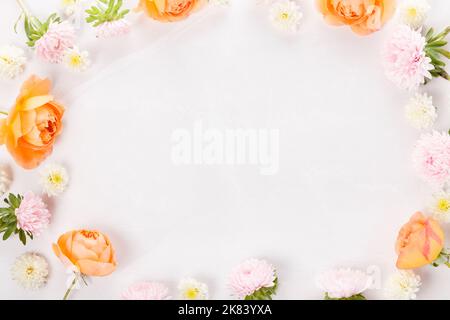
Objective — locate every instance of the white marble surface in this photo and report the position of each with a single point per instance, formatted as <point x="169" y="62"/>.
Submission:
<point x="344" y="187"/>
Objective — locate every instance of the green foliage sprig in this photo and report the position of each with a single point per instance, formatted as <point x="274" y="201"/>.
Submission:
<point x="35" y="29"/>
<point x="435" y="51"/>
<point x="106" y="11"/>
<point x="8" y="219"/>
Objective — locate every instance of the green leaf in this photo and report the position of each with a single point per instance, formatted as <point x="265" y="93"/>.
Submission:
<point x="429" y="34"/>
<point x="9" y="231"/>
<point x="438" y="43"/>
<point x="22" y="237"/>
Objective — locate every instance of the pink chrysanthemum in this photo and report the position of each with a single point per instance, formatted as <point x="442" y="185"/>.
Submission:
<point x="250" y="276"/>
<point x="404" y="58"/>
<point x="431" y="157"/>
<point x="53" y="44"/>
<point x="146" y="291"/>
<point x="343" y="283"/>
<point x="32" y="214"/>
<point x="113" y="28"/>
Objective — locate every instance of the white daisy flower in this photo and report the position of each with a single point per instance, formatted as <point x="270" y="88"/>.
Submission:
<point x="30" y="270"/>
<point x="76" y="60"/>
<point x="420" y="112"/>
<point x="5" y="179"/>
<point x="12" y="61"/>
<point x="285" y="15"/>
<point x="191" y="289"/>
<point x="403" y="285"/>
<point x="440" y="206"/>
<point x="54" y="179"/>
<point x="414" y="12"/>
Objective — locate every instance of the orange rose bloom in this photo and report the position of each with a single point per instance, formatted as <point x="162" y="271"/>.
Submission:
<point x="33" y="123"/>
<point x="419" y="242"/>
<point x="90" y="252"/>
<point x="363" y="16"/>
<point x="169" y="10"/>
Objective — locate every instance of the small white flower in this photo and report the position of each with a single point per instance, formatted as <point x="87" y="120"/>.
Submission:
<point x="76" y="60"/>
<point x="112" y="29"/>
<point x="12" y="61"/>
<point x="191" y="289"/>
<point x="403" y="285"/>
<point x="285" y="15"/>
<point x="5" y="179"/>
<point x="30" y="270"/>
<point x="420" y="112"/>
<point x="440" y="206"/>
<point x="414" y="12"/>
<point x="54" y="179"/>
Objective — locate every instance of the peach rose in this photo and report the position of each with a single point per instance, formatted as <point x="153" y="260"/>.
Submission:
<point x="169" y="10"/>
<point x="363" y="16"/>
<point x="419" y="242"/>
<point x="33" y="123"/>
<point x="90" y="252"/>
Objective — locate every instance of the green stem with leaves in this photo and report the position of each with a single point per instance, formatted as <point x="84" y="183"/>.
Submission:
<point x="23" y="7"/>
<point x="69" y="290"/>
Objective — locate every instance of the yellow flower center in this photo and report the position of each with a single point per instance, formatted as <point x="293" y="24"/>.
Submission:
<point x="29" y="270"/>
<point x="55" y="178"/>
<point x="75" y="60"/>
<point x="191" y="293"/>
<point x="284" y="16"/>
<point x="443" y="205"/>
<point x="412" y="12"/>
<point x="6" y="59"/>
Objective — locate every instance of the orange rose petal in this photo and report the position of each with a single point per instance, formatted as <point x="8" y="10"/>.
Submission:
<point x="81" y="252"/>
<point x="3" y="131"/>
<point x="36" y="102"/>
<point x="95" y="268"/>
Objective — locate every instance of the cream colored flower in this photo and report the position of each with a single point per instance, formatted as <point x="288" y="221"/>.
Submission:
<point x="285" y="15"/>
<point x="30" y="270"/>
<point x="414" y="12"/>
<point x="420" y="112"/>
<point x="191" y="289"/>
<point x="12" y="61"/>
<point x="440" y="206"/>
<point x="76" y="60"/>
<point x="54" y="179"/>
<point x="403" y="285"/>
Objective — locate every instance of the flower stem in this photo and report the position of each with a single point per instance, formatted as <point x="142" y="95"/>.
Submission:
<point x="3" y="112"/>
<point x="24" y="8"/>
<point x="72" y="285"/>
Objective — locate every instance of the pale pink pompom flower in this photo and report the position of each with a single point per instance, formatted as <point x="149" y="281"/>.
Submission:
<point x="54" y="43"/>
<point x="146" y="291"/>
<point x="343" y="282"/>
<point x="405" y="61"/>
<point x="250" y="276"/>
<point x="113" y="28"/>
<point x="431" y="157"/>
<point x="32" y="214"/>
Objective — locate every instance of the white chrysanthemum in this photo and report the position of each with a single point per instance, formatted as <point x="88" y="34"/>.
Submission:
<point x="5" y="179"/>
<point x="76" y="60"/>
<point x="440" y="206"/>
<point x="285" y="15"/>
<point x="414" y="12"/>
<point x="191" y="289"/>
<point x="54" y="179"/>
<point x="420" y="112"/>
<point x="403" y="285"/>
<point x="30" y="270"/>
<point x="343" y="283"/>
<point x="12" y="61"/>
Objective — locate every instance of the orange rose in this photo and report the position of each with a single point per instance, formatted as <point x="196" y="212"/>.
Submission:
<point x="169" y="10"/>
<point x="419" y="242"/>
<point x="33" y="123"/>
<point x="90" y="252"/>
<point x="363" y="16"/>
